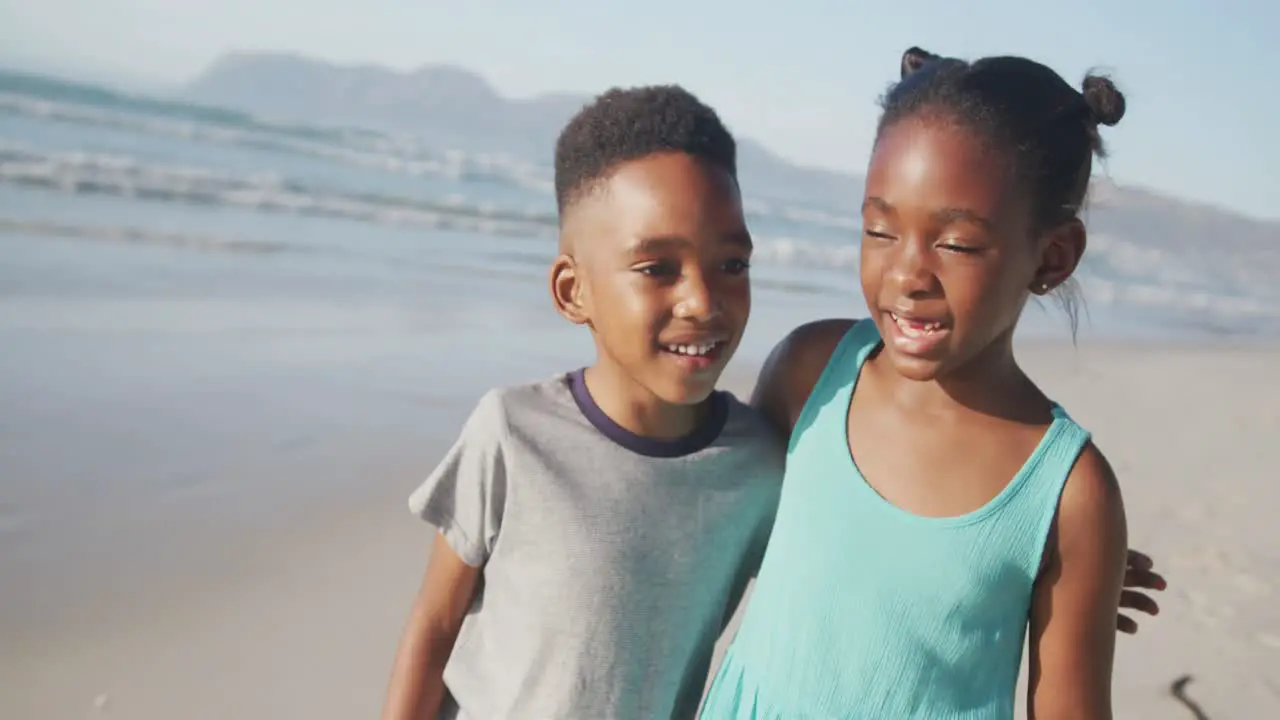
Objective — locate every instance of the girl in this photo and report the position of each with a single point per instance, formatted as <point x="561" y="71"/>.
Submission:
<point x="936" y="502"/>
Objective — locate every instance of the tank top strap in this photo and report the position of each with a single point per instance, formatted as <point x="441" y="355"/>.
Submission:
<point x="835" y="384"/>
<point x="1056" y="454"/>
<point x="1043" y="478"/>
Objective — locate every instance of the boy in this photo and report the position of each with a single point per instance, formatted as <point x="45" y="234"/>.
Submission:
<point x="617" y="511"/>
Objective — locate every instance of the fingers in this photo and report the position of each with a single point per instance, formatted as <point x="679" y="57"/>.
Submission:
<point x="1138" y="601"/>
<point x="1139" y="560"/>
<point x="1126" y="625"/>
<point x="1145" y="579"/>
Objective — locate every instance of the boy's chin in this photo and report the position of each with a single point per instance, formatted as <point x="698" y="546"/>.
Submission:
<point x="684" y="391"/>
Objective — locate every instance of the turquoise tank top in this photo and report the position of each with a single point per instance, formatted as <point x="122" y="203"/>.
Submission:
<point x="863" y="610"/>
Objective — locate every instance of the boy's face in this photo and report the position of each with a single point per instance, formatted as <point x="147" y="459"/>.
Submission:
<point x="655" y="262"/>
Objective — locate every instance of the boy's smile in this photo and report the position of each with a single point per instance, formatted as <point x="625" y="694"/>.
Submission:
<point x="656" y="264"/>
<point x="695" y="354"/>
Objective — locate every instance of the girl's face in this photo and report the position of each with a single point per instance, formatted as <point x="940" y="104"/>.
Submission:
<point x="948" y="250"/>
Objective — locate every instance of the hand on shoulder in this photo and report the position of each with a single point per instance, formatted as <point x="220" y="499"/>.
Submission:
<point x="793" y="368"/>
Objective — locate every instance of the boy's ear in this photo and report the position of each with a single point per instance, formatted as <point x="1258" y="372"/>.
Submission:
<point x="1060" y="252"/>
<point x="567" y="290"/>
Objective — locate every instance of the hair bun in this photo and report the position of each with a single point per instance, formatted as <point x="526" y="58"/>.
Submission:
<point x="1105" y="102"/>
<point x="914" y="59"/>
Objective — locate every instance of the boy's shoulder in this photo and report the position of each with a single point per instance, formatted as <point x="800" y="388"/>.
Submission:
<point x="507" y="406"/>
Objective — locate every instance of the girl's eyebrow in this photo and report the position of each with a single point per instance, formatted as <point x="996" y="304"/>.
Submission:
<point x="947" y="216"/>
<point x="880" y="204"/>
<point x="944" y="216"/>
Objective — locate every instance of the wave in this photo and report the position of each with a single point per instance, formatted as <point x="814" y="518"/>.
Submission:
<point x="143" y="236"/>
<point x="63" y="91"/>
<point x="98" y="174"/>
<point x="80" y="173"/>
<point x="358" y="149"/>
<point x="120" y="176"/>
<point x="46" y="99"/>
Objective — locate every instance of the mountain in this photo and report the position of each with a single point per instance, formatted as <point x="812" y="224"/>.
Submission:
<point x="454" y="107"/>
<point x="451" y="107"/>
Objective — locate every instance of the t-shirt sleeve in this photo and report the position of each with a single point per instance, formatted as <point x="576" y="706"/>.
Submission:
<point x="464" y="496"/>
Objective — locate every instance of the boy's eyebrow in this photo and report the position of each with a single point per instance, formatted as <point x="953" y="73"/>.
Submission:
<point x="742" y="240"/>
<point x="670" y="243"/>
<point x="658" y="244"/>
<point x="942" y="217"/>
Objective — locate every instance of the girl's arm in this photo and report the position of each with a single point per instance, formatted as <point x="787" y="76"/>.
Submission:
<point x="1077" y="596"/>
<point x="417" y="679"/>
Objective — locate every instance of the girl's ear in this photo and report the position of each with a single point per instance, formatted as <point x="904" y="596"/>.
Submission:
<point x="1060" y="251"/>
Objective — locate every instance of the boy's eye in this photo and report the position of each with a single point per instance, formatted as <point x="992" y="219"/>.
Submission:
<point x="877" y="234"/>
<point x="962" y="249"/>
<point x="737" y="266"/>
<point x="659" y="269"/>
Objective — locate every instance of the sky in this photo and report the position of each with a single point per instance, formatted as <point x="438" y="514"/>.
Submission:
<point x="802" y="77"/>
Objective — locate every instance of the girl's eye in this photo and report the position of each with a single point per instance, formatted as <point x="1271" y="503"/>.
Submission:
<point x="877" y="234"/>
<point x="962" y="249"/>
<point x="737" y="266"/>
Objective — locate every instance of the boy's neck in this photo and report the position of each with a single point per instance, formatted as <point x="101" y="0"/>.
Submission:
<point x="637" y="410"/>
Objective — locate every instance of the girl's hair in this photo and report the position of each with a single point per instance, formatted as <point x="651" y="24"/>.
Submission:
<point x="1048" y="129"/>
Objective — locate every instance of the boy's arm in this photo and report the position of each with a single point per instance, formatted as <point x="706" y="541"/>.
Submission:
<point x="417" y="678"/>
<point x="464" y="498"/>
<point x="792" y="370"/>
<point x="1077" y="597"/>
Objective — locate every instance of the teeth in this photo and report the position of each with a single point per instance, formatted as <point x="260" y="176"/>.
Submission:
<point x="692" y="350"/>
<point x="911" y="329"/>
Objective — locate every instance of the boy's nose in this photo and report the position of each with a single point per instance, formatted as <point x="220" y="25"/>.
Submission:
<point x="696" y="301"/>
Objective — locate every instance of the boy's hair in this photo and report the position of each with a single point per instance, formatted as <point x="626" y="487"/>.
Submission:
<point x="1049" y="128"/>
<point x="627" y="124"/>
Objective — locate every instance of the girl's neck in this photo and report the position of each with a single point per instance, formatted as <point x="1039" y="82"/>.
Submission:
<point x="990" y="383"/>
<point x="635" y="408"/>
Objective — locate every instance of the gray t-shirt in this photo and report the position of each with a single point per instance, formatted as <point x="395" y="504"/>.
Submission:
<point x="611" y="562"/>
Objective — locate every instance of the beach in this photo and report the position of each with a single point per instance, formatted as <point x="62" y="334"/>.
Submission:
<point x="231" y="348"/>
<point x="296" y="613"/>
